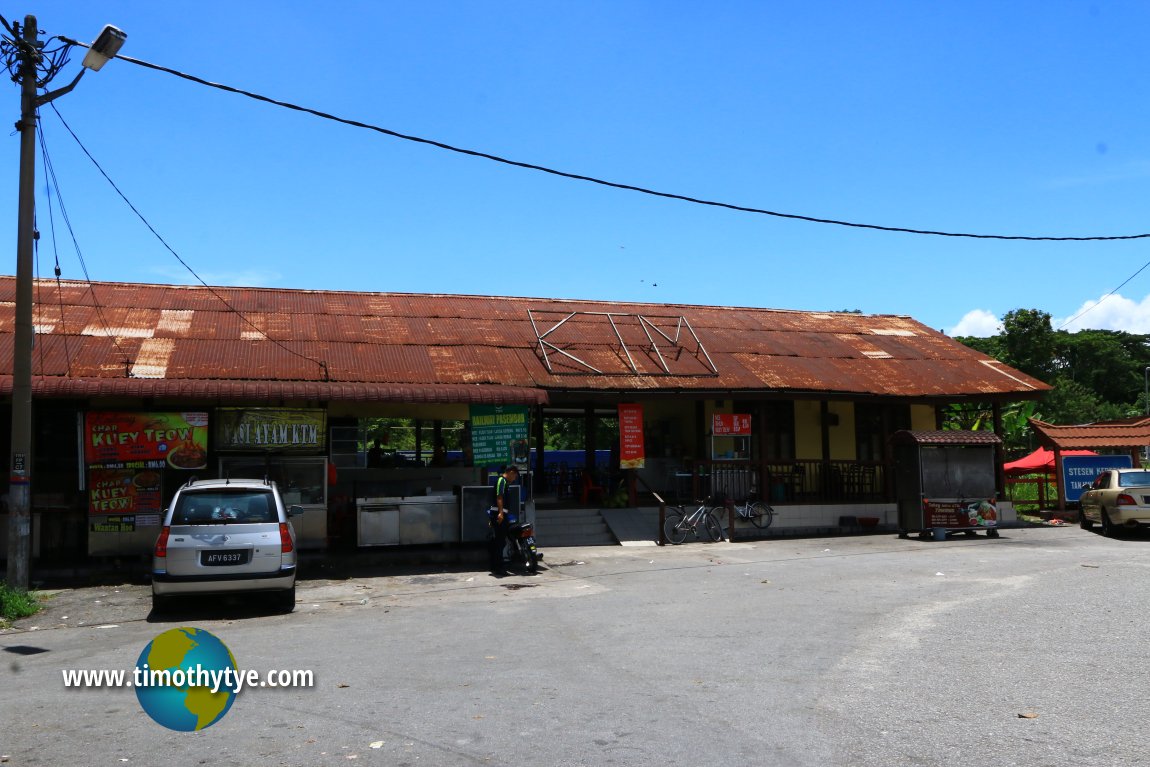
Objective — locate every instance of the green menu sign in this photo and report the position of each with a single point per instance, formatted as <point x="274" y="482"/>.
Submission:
<point x="499" y="434"/>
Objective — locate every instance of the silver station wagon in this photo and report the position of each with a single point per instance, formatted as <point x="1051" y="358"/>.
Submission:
<point x="223" y="536"/>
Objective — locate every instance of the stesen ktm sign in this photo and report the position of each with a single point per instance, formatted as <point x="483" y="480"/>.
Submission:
<point x="1078" y="471"/>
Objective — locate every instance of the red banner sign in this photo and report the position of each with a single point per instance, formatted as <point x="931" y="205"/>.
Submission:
<point x="125" y="440"/>
<point x="123" y="491"/>
<point x="631" y="453"/>
<point x="731" y="425"/>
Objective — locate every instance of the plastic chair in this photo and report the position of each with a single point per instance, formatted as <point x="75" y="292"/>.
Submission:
<point x="588" y="490"/>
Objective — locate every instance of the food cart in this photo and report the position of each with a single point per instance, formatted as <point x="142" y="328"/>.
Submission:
<point x="945" y="482"/>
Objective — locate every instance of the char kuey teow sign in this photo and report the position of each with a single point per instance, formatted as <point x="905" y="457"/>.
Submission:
<point x="275" y="429"/>
<point x="131" y="440"/>
<point x="126" y="455"/>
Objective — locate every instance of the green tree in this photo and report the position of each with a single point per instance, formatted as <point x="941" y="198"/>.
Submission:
<point x="1076" y="403"/>
<point x="1096" y="375"/>
<point x="1028" y="342"/>
<point x="1110" y="363"/>
<point x="563" y="433"/>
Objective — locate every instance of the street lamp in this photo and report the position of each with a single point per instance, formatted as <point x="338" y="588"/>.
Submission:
<point x="28" y="56"/>
<point x="107" y="45"/>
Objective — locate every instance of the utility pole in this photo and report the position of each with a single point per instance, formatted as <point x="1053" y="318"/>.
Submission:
<point x="29" y="56"/>
<point x="20" y="478"/>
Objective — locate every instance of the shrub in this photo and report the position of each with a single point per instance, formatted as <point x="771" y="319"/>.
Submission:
<point x="15" y="603"/>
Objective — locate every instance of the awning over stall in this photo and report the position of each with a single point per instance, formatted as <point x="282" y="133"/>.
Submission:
<point x="1041" y="460"/>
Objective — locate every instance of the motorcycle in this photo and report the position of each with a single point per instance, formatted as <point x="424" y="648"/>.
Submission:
<point x="521" y="545"/>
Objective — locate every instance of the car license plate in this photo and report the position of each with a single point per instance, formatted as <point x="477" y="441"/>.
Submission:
<point x="233" y="557"/>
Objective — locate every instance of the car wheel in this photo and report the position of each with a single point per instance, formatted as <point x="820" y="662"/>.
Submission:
<point x="1107" y="526"/>
<point x="160" y="603"/>
<point x="1085" y="522"/>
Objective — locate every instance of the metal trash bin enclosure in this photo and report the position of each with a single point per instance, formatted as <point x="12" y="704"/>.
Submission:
<point x="946" y="481"/>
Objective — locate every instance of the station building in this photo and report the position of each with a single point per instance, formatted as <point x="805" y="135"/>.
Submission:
<point x="401" y="405"/>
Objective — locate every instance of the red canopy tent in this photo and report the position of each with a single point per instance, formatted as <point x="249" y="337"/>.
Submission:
<point x="1041" y="460"/>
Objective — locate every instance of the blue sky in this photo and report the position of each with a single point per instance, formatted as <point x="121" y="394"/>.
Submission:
<point x="1018" y="118"/>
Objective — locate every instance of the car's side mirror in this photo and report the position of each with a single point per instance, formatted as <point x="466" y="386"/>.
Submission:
<point x="295" y="510"/>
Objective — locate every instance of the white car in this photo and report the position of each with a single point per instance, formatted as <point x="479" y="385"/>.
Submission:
<point x="226" y="536"/>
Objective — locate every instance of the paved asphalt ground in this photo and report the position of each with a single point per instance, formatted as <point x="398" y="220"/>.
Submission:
<point x="1026" y="650"/>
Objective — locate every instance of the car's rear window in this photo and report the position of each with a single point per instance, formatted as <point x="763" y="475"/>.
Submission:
<point x="226" y="507"/>
<point x="1133" y="478"/>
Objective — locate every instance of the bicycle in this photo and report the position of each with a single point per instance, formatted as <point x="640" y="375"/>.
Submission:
<point x="678" y="523"/>
<point x="759" y="513"/>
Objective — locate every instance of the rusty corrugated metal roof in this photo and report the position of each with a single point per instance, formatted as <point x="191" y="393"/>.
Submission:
<point x="1129" y="433"/>
<point x="945" y="437"/>
<point x="124" y="338"/>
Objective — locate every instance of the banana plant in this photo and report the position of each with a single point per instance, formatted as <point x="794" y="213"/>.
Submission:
<point x="1016" y="431"/>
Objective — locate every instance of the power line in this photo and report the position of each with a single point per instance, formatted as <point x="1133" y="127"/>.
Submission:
<point x="599" y="181"/>
<point x="322" y="365"/>
<point x="1114" y="292"/>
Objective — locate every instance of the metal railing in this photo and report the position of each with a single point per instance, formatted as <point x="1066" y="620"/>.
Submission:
<point x="799" y="481"/>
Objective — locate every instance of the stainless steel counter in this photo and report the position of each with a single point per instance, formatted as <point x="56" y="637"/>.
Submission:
<point x="407" y="520"/>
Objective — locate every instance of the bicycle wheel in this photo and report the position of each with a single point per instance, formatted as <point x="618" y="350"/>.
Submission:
<point x="761" y="514"/>
<point x="674" y="529"/>
<point x="714" y="527"/>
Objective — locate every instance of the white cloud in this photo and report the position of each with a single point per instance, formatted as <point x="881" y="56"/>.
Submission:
<point x="250" y="278"/>
<point x="977" y="322"/>
<point x="1113" y="312"/>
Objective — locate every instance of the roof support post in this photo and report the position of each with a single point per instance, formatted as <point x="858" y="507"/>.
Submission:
<point x="540" y="475"/>
<point x="589" y="422"/>
<point x="1059" y="485"/>
<point x="999" y="452"/>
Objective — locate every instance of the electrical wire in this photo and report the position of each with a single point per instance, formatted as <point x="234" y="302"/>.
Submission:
<point x="1112" y="293"/>
<point x="16" y="53"/>
<point x="602" y="182"/>
<point x="53" y="183"/>
<point x="630" y="187"/>
<point x="322" y="365"/>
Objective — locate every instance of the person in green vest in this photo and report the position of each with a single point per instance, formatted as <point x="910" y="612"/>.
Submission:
<point x="504" y="487"/>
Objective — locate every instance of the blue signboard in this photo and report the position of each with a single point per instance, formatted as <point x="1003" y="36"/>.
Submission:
<point x="1078" y="471"/>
